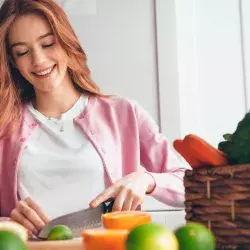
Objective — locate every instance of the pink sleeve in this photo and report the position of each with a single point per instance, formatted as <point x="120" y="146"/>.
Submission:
<point x="159" y="159"/>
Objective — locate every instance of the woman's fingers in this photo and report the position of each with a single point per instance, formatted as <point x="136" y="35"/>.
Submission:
<point x="17" y="216"/>
<point x="120" y="199"/>
<point x="30" y="214"/>
<point x="137" y="200"/>
<point x="128" y="192"/>
<point x="110" y="192"/>
<point x="44" y="217"/>
<point x="128" y="200"/>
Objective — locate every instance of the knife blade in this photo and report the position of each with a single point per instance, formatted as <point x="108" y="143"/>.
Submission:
<point x="80" y="220"/>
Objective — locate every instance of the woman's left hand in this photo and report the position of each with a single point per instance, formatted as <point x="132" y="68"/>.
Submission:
<point x="128" y="192"/>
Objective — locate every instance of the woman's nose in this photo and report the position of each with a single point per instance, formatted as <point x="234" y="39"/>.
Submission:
<point x="38" y="57"/>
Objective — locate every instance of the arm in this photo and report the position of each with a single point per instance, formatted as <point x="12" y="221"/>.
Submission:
<point x="160" y="161"/>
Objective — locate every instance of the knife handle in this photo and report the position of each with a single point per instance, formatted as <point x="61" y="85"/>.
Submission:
<point x="108" y="205"/>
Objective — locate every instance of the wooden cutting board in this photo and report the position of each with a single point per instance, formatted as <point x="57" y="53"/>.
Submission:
<point x="74" y="244"/>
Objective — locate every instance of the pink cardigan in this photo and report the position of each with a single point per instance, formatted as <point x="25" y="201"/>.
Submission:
<point x="126" y="139"/>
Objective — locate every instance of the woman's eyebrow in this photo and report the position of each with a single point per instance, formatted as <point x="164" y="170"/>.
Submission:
<point x="39" y="38"/>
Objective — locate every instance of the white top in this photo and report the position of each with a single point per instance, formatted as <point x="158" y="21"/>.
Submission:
<point x="59" y="168"/>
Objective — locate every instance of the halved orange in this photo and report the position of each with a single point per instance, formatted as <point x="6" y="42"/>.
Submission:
<point x="104" y="239"/>
<point x="125" y="219"/>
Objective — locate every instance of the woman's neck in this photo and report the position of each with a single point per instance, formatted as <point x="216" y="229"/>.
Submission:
<point x="55" y="103"/>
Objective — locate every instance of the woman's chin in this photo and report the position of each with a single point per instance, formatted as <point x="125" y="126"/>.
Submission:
<point x="47" y="88"/>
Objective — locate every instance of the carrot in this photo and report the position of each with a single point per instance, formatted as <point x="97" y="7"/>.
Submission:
<point x="104" y="239"/>
<point x="125" y="219"/>
<point x="183" y="151"/>
<point x="204" y="151"/>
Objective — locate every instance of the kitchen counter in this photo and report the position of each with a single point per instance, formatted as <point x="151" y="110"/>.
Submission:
<point x="74" y="244"/>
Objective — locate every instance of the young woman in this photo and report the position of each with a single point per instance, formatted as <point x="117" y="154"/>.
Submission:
<point x="64" y="145"/>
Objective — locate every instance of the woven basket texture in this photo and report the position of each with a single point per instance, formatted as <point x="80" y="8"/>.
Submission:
<point x="219" y="198"/>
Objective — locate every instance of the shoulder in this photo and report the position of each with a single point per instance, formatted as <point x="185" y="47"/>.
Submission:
<point x="7" y="135"/>
<point x="118" y="103"/>
<point x="129" y="109"/>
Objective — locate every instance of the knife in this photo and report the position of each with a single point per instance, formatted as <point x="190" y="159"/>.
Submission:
<point x="80" y="220"/>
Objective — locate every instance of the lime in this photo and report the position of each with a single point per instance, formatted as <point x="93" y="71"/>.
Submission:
<point x="11" y="241"/>
<point x="195" y="236"/>
<point x="60" y="232"/>
<point x="151" y="236"/>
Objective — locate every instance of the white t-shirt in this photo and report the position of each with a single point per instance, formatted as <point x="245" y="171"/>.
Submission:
<point x="60" y="168"/>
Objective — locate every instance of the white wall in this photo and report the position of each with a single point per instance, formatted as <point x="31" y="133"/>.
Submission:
<point x="245" y="22"/>
<point x="169" y="91"/>
<point x="218" y="98"/>
<point x="208" y="54"/>
<point x="120" y="43"/>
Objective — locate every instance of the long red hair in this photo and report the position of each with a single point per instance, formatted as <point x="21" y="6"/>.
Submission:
<point x="14" y="88"/>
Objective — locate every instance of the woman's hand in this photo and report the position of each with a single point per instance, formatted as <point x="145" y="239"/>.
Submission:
<point x="128" y="192"/>
<point x="30" y="215"/>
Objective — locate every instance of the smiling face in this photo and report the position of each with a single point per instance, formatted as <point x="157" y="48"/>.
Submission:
<point x="36" y="52"/>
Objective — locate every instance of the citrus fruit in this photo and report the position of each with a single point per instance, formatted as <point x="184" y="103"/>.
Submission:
<point x="60" y="232"/>
<point x="151" y="236"/>
<point x="15" y="227"/>
<point x="195" y="236"/>
<point x="125" y="219"/>
<point x="104" y="239"/>
<point x="11" y="241"/>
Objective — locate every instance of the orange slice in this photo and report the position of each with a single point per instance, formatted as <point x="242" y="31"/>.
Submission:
<point x="104" y="239"/>
<point x="125" y="219"/>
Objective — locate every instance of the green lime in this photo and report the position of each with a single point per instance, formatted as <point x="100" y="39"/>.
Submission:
<point x="11" y="241"/>
<point x="60" y="232"/>
<point x="195" y="236"/>
<point x="151" y="236"/>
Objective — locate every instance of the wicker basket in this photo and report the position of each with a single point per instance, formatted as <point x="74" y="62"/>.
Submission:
<point x="219" y="198"/>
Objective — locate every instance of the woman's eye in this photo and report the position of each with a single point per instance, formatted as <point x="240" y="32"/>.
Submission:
<point x="48" y="45"/>
<point x="21" y="53"/>
<point x="18" y="54"/>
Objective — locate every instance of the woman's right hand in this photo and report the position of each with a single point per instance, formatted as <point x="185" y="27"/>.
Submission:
<point x="30" y="215"/>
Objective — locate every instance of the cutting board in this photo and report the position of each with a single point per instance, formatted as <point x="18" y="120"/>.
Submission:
<point x="74" y="244"/>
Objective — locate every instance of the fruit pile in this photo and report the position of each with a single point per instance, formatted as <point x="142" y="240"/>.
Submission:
<point x="134" y="230"/>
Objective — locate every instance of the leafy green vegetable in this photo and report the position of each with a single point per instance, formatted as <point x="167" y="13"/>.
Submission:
<point x="237" y="145"/>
